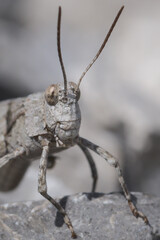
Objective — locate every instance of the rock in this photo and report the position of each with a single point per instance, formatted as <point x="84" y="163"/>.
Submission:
<point x="97" y="216"/>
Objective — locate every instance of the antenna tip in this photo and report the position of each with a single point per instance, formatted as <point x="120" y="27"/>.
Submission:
<point x="59" y="10"/>
<point x="121" y="9"/>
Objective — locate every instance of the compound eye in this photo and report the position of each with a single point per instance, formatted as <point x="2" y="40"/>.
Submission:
<point x="51" y="94"/>
<point x="77" y="92"/>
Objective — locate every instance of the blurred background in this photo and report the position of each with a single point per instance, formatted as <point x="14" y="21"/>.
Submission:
<point x="119" y="95"/>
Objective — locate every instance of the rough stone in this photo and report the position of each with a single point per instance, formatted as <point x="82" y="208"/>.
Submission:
<point x="97" y="216"/>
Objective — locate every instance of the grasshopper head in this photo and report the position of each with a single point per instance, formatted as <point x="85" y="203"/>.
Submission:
<point x="62" y="111"/>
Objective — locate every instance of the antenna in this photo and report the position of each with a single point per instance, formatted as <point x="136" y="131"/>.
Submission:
<point x="59" y="50"/>
<point x="102" y="46"/>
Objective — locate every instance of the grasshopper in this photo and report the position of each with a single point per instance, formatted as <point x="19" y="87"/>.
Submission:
<point x="45" y="123"/>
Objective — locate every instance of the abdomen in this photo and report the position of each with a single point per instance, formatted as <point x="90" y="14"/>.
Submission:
<point x="11" y="173"/>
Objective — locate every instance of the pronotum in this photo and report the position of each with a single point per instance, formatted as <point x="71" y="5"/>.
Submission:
<point x="45" y="123"/>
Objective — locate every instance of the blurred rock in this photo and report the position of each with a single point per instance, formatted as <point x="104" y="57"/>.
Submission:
<point x="140" y="165"/>
<point x="6" y="92"/>
<point x="98" y="216"/>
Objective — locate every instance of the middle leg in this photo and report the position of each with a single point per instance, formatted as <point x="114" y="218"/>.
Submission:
<point x="91" y="164"/>
<point x="112" y="161"/>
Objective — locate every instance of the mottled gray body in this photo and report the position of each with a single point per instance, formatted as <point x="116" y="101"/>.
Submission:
<point x="26" y="122"/>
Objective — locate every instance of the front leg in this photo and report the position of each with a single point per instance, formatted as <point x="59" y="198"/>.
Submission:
<point x="114" y="163"/>
<point x="42" y="187"/>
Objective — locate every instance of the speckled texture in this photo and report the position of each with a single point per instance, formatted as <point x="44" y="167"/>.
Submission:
<point x="101" y="216"/>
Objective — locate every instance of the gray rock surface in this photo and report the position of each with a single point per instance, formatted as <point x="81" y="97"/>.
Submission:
<point x="98" y="216"/>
